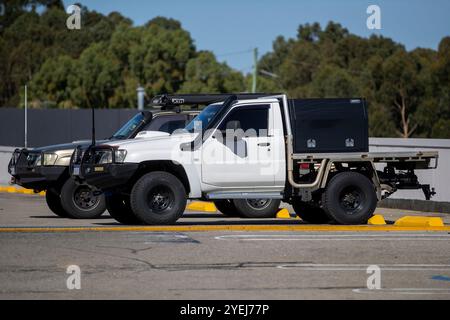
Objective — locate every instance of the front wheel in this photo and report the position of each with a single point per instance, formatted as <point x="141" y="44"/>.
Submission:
<point x="80" y="201"/>
<point x="119" y="209"/>
<point x="257" y="208"/>
<point x="350" y="198"/>
<point x="158" y="198"/>
<point x="53" y="199"/>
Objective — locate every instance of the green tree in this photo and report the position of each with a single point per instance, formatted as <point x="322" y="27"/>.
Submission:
<point x="96" y="77"/>
<point x="204" y="74"/>
<point x="401" y="91"/>
<point x="159" y="59"/>
<point x="51" y="83"/>
<point x="331" y="81"/>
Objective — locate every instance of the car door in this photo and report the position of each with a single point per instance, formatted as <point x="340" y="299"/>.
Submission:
<point x="239" y="152"/>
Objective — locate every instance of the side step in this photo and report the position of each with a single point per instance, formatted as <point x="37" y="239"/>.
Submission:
<point x="244" y="195"/>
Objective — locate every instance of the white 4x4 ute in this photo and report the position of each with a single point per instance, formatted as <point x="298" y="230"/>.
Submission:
<point x="248" y="152"/>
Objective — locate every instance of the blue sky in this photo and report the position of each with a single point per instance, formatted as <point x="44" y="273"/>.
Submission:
<point x="231" y="28"/>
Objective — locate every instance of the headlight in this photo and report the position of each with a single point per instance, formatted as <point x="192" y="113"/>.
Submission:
<point x="33" y="159"/>
<point x="49" y="159"/>
<point x="103" y="156"/>
<point x="63" y="161"/>
<point x="120" y="155"/>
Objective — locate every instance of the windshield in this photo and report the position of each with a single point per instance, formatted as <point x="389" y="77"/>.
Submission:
<point x="129" y="127"/>
<point x="203" y="118"/>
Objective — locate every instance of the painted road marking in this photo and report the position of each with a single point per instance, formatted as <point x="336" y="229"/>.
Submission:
<point x="363" y="267"/>
<point x="336" y="237"/>
<point x="405" y="290"/>
<point x="440" y="278"/>
<point x="206" y="228"/>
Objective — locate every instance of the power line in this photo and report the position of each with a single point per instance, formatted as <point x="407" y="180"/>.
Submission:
<point x="235" y="53"/>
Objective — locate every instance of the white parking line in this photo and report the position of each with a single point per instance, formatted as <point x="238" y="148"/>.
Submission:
<point x="404" y="290"/>
<point x="363" y="267"/>
<point x="336" y="237"/>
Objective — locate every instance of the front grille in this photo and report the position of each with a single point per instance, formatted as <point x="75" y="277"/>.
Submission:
<point x="33" y="159"/>
<point x="78" y="155"/>
<point x="13" y="162"/>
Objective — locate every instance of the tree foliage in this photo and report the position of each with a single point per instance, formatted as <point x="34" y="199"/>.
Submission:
<point x="102" y="64"/>
<point x="407" y="91"/>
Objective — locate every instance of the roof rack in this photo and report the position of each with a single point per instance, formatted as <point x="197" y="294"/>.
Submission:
<point x="169" y="101"/>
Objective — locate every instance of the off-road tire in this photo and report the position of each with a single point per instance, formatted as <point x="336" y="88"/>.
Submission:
<point x="119" y="209"/>
<point x="158" y="198"/>
<point x="78" y="206"/>
<point x="309" y="212"/>
<point x="350" y="198"/>
<point x="53" y="199"/>
<point x="227" y="207"/>
<point x="247" y="210"/>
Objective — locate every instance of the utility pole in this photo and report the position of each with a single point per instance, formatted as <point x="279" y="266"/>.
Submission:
<point x="140" y="97"/>
<point x="26" y="117"/>
<point x="255" y="69"/>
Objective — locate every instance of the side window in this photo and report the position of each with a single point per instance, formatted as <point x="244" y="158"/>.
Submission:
<point x="171" y="126"/>
<point x="166" y="123"/>
<point x="247" y="118"/>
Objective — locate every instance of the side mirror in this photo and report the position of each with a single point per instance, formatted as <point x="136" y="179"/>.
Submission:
<point x="147" y="116"/>
<point x="233" y="125"/>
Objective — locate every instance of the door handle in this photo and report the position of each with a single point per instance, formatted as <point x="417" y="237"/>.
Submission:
<point x="264" y="144"/>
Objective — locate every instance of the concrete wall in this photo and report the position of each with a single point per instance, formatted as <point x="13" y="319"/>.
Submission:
<point x="5" y="155"/>
<point x="438" y="178"/>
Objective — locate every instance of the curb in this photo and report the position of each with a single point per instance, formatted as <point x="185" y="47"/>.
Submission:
<point x="417" y="221"/>
<point x="416" y="205"/>
<point x="206" y="228"/>
<point x="201" y="206"/>
<point x="284" y="214"/>
<point x="377" y="220"/>
<point x="19" y="190"/>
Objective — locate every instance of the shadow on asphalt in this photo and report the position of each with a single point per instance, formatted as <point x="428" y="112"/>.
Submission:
<point x="245" y="222"/>
<point x="56" y="217"/>
<point x="46" y="217"/>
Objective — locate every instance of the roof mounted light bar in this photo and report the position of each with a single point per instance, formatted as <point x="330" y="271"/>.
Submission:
<point x="170" y="101"/>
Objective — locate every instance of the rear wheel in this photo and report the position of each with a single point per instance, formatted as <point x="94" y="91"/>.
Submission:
<point x="80" y="201"/>
<point x="158" y="198"/>
<point x="54" y="202"/>
<point x="257" y="208"/>
<point x="227" y="207"/>
<point x="309" y="212"/>
<point x="119" y="208"/>
<point x="350" y="198"/>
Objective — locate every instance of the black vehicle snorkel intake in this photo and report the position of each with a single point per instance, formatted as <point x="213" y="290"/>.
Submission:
<point x="196" y="143"/>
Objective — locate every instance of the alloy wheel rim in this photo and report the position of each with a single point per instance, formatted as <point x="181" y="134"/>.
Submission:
<point x="258" y="204"/>
<point x="84" y="198"/>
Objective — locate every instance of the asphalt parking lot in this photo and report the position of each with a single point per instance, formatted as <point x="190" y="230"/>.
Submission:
<point x="209" y="256"/>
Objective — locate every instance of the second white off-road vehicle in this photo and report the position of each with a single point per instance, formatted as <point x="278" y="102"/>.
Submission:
<point x="241" y="149"/>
